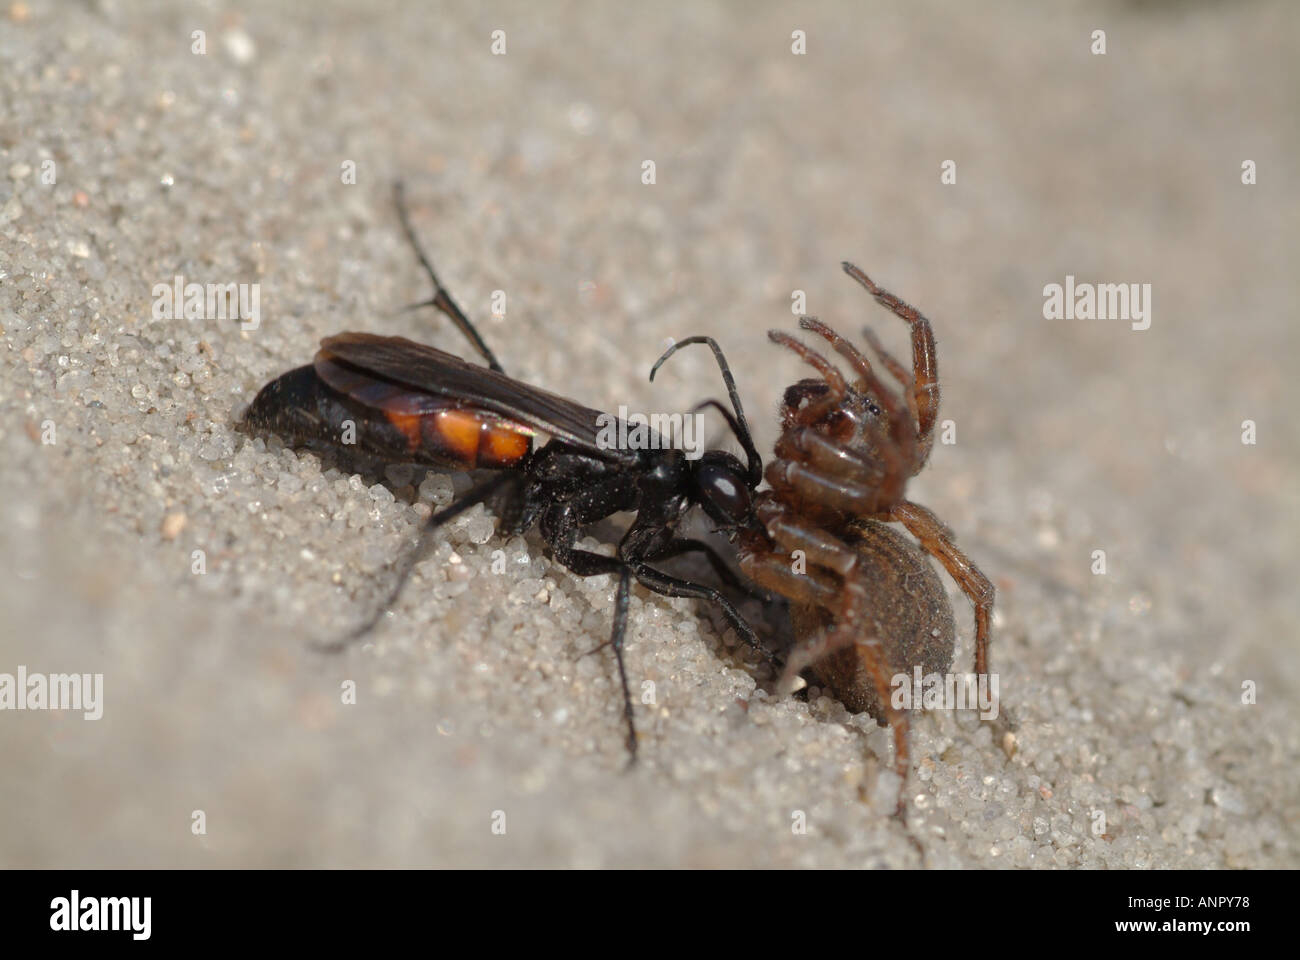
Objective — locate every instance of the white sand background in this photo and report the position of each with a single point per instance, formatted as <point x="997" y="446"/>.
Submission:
<point x="524" y="173"/>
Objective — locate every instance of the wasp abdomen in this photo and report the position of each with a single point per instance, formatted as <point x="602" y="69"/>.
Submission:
<point x="334" y="403"/>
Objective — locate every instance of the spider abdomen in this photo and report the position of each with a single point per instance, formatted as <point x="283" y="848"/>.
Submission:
<point x="908" y="612"/>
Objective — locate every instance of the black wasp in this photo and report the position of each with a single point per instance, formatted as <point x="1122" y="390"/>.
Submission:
<point x="411" y="403"/>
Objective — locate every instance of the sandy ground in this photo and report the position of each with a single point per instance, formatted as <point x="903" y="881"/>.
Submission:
<point x="473" y="704"/>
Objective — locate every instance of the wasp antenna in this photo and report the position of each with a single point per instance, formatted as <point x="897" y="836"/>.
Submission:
<point x="739" y="425"/>
<point x="726" y="414"/>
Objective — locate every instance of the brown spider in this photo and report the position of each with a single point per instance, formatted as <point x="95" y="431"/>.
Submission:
<point x="869" y="605"/>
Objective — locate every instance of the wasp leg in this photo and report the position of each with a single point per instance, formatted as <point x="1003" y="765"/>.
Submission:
<point x="678" y="547"/>
<point x="477" y="495"/>
<point x="441" y="298"/>
<point x="559" y="526"/>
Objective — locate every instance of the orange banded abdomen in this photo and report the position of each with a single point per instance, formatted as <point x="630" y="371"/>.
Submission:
<point x="430" y="427"/>
<point x="464" y="435"/>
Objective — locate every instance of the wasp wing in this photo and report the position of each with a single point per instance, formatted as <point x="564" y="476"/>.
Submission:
<point x="433" y="371"/>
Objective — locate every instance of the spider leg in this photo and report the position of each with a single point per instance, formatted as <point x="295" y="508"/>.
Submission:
<point x="925" y="364"/>
<point x="844" y="348"/>
<point x="847" y="632"/>
<point x="902" y="426"/>
<point x="819" y="548"/>
<point x="869" y="382"/>
<point x="901" y="374"/>
<point x="834" y="379"/>
<point x="936" y="539"/>
<point x="775" y="571"/>
<point x="844" y="598"/>
<point x="818" y="467"/>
